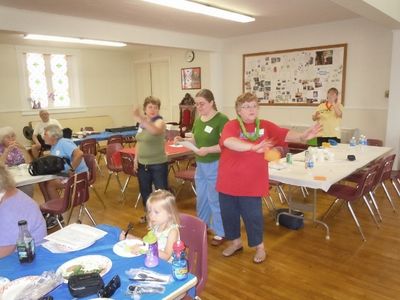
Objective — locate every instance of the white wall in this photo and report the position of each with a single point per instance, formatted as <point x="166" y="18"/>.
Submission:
<point x="367" y="74"/>
<point x="176" y="58"/>
<point x="393" y="120"/>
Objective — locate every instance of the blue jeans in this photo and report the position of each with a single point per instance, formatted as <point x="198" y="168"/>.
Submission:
<point x="250" y="209"/>
<point x="207" y="205"/>
<point x="149" y="175"/>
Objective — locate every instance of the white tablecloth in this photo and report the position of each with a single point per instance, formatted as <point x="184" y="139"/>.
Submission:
<point x="333" y="171"/>
<point x="22" y="177"/>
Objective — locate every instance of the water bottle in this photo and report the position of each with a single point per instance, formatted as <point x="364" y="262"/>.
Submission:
<point x="179" y="261"/>
<point x="151" y="259"/>
<point x="306" y="158"/>
<point x="353" y="142"/>
<point x="25" y="243"/>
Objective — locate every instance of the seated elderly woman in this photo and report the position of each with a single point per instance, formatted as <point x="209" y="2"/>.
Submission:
<point x="66" y="148"/>
<point x="15" y="206"/>
<point x="13" y="153"/>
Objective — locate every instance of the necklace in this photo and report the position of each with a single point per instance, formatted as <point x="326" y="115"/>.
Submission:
<point x="256" y="134"/>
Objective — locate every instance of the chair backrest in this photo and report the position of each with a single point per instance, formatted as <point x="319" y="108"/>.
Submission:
<point x="89" y="146"/>
<point x="371" y="178"/>
<point x="90" y="161"/>
<point x="387" y="168"/>
<point x="127" y="161"/>
<point x="113" y="157"/>
<point x="366" y="181"/>
<point x="193" y="233"/>
<point x="374" y="142"/>
<point x="186" y="118"/>
<point x="117" y="138"/>
<point x="76" y="190"/>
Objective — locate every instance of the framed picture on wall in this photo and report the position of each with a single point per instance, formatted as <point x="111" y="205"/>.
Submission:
<point x="296" y="76"/>
<point x="191" y="78"/>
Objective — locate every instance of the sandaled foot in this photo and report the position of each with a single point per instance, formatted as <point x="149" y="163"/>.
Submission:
<point x="232" y="250"/>
<point x="260" y="256"/>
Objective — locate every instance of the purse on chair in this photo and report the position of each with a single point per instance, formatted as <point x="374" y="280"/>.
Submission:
<point x="47" y="165"/>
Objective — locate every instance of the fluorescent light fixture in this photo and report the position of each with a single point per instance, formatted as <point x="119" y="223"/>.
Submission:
<point x="204" y="9"/>
<point x="53" y="38"/>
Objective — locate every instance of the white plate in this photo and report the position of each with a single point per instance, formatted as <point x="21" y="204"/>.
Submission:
<point x="11" y="290"/>
<point x="88" y="263"/>
<point x="124" y="248"/>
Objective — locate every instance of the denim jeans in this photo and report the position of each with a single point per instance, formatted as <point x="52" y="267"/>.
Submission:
<point x="207" y="204"/>
<point x="149" y="175"/>
<point x="250" y="209"/>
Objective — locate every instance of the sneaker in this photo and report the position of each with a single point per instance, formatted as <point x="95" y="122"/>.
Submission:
<point x="51" y="222"/>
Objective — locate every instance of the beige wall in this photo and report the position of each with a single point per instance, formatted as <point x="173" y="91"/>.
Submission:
<point x="176" y="58"/>
<point x="106" y="83"/>
<point x="367" y="75"/>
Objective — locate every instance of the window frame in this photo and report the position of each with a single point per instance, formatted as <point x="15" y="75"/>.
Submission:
<point x="74" y="70"/>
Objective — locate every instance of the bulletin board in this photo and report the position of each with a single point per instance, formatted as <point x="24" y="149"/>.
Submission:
<point x="296" y="76"/>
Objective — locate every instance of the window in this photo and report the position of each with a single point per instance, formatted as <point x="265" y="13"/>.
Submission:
<point x="49" y="79"/>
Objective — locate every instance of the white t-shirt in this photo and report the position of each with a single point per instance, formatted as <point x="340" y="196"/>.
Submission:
<point x="39" y="128"/>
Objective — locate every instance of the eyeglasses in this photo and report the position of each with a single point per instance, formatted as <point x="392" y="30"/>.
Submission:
<point x="247" y="107"/>
<point x="200" y="104"/>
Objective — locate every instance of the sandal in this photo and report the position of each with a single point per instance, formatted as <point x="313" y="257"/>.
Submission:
<point x="231" y="250"/>
<point x="260" y="256"/>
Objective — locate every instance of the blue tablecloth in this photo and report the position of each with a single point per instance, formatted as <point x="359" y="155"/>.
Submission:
<point x="103" y="136"/>
<point x="46" y="261"/>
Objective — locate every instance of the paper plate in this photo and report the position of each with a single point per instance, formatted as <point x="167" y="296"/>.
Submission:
<point x="85" y="264"/>
<point x="124" y="248"/>
<point x="11" y="290"/>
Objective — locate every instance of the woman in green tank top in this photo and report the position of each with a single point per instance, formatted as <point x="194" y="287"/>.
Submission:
<point x="151" y="163"/>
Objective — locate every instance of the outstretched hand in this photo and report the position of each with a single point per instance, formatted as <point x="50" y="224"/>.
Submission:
<point x="311" y="132"/>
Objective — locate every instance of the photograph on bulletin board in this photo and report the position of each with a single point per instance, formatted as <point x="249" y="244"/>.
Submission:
<point x="191" y="78"/>
<point x="296" y="76"/>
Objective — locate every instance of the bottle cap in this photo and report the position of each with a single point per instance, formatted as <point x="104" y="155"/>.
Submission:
<point x="22" y="222"/>
<point x="150" y="238"/>
<point x="178" y="246"/>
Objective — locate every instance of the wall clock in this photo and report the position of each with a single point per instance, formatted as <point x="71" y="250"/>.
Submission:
<point x="189" y="56"/>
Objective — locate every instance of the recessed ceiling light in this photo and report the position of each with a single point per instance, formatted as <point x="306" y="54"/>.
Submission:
<point x="208" y="10"/>
<point x="53" y="38"/>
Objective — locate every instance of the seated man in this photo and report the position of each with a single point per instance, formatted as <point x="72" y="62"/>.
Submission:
<point x="15" y="206"/>
<point x="38" y="132"/>
<point x="66" y="148"/>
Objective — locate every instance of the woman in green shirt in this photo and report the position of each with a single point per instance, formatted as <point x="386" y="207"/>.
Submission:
<point x="151" y="163"/>
<point x="206" y="133"/>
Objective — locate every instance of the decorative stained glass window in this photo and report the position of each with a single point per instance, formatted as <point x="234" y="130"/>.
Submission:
<point x="48" y="80"/>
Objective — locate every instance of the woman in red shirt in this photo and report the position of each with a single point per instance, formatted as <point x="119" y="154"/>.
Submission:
<point x="243" y="172"/>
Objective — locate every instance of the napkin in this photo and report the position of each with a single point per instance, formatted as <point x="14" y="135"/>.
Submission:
<point x="72" y="238"/>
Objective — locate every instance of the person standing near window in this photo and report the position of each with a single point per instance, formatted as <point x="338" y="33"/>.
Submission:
<point x="38" y="133"/>
<point x="329" y="115"/>
<point x="151" y="162"/>
<point x="206" y="133"/>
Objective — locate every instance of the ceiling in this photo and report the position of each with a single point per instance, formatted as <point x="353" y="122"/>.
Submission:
<point x="269" y="14"/>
